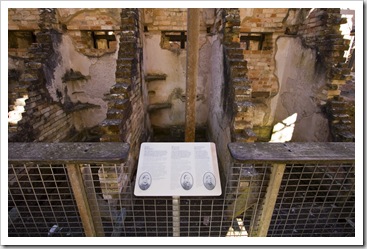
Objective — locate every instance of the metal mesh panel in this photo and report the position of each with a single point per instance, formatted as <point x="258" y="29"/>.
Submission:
<point x="246" y="189"/>
<point x="41" y="202"/>
<point x="120" y="213"/>
<point x="315" y="200"/>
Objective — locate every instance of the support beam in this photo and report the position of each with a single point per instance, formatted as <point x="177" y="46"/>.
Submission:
<point x="81" y="198"/>
<point x="270" y="198"/>
<point x="193" y="24"/>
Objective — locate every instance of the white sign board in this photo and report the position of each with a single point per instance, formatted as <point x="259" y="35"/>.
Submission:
<point x="177" y="169"/>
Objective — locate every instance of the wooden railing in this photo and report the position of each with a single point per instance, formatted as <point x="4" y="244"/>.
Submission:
<point x="272" y="189"/>
<point x="327" y="167"/>
<point x="28" y="161"/>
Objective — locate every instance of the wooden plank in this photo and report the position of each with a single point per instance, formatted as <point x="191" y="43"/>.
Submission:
<point x="96" y="152"/>
<point x="270" y="199"/>
<point x="80" y="195"/>
<point x="91" y="195"/>
<point x="293" y="152"/>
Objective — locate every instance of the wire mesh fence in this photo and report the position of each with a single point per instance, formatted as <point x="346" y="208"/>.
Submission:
<point x="41" y="202"/>
<point x="314" y="199"/>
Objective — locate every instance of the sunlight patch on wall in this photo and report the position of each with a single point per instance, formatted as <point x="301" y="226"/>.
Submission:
<point x="283" y="131"/>
<point x="15" y="115"/>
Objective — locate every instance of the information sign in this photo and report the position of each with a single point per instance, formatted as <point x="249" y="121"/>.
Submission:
<point x="177" y="169"/>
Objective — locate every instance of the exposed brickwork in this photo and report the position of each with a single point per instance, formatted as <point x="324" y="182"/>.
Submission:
<point x="321" y="32"/>
<point x="80" y="22"/>
<point x="165" y="19"/>
<point x="23" y="19"/>
<point x="237" y="85"/>
<point x="341" y="121"/>
<point x="126" y="116"/>
<point x="43" y="120"/>
<point x="263" y="20"/>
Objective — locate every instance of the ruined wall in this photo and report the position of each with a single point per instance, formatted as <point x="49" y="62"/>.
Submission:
<point x="80" y="69"/>
<point x="318" y="61"/>
<point x="300" y="87"/>
<point x="127" y="119"/>
<point x="310" y="77"/>
<point x="165" y="69"/>
<point x="86" y="72"/>
<point x="265" y="22"/>
<point x="219" y="124"/>
<point x="43" y="119"/>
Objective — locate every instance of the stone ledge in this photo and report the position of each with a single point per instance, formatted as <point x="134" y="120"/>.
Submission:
<point x="158" y="106"/>
<point x="153" y="77"/>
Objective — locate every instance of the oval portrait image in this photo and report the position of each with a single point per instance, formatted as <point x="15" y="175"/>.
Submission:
<point x="145" y="180"/>
<point x="209" y="181"/>
<point x="187" y="180"/>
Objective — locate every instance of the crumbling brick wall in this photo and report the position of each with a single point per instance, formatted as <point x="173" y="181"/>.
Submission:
<point x="320" y="30"/>
<point x="267" y="21"/>
<point x="127" y="116"/>
<point x="268" y="24"/>
<point x="43" y="120"/>
<point x="80" y="23"/>
<point x="238" y="87"/>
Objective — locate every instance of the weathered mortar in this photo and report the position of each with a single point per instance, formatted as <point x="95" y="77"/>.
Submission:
<point x="127" y="116"/>
<point x="236" y="104"/>
<point x="43" y="119"/>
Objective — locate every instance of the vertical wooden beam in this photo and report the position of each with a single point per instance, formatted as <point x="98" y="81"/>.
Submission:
<point x="193" y="25"/>
<point x="176" y="216"/>
<point x="270" y="199"/>
<point x="92" y="200"/>
<point x="80" y="195"/>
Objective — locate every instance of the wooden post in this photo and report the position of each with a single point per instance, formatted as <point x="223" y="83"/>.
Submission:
<point x="92" y="200"/>
<point x="193" y="24"/>
<point x="176" y="216"/>
<point x="80" y="195"/>
<point x="270" y="198"/>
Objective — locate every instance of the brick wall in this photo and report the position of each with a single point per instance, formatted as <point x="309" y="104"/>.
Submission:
<point x="321" y="31"/>
<point x="127" y="116"/>
<point x="43" y="120"/>
<point x="238" y="87"/>
<point x="260" y="62"/>
<point x="23" y="19"/>
<point x="78" y="24"/>
<point x="165" y="19"/>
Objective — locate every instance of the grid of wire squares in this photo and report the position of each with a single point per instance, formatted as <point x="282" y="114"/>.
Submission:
<point x="315" y="200"/>
<point x="42" y="203"/>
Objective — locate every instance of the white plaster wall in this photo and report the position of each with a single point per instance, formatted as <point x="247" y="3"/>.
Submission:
<point x="300" y="91"/>
<point x="173" y="64"/>
<point x="100" y="73"/>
